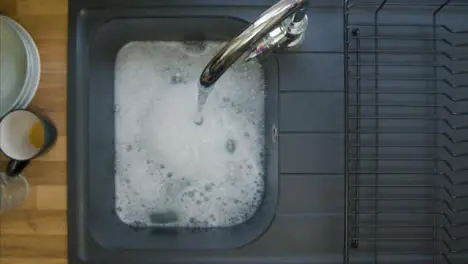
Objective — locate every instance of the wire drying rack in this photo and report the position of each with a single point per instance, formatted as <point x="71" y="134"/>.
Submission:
<point x="407" y="131"/>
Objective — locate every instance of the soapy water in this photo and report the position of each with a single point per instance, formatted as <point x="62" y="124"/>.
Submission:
<point x="169" y="170"/>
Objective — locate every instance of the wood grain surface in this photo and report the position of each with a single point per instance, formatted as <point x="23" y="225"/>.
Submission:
<point x="36" y="232"/>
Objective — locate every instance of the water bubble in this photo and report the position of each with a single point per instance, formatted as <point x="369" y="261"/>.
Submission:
<point x="184" y="57"/>
<point x="198" y="119"/>
<point x="116" y="108"/>
<point x="208" y="188"/>
<point x="177" y="79"/>
<point x="195" y="46"/>
<point x="262" y="155"/>
<point x="230" y="145"/>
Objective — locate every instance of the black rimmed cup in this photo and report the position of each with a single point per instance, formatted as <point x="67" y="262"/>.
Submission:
<point x="24" y="135"/>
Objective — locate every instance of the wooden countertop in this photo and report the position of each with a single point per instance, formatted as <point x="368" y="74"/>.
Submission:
<point x="36" y="233"/>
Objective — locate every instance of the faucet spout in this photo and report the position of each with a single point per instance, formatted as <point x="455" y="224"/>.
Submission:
<point x="282" y="25"/>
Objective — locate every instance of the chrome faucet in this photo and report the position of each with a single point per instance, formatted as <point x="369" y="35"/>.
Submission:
<point x="281" y="26"/>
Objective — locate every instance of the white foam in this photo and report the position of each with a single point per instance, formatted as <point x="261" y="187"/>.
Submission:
<point x="165" y="162"/>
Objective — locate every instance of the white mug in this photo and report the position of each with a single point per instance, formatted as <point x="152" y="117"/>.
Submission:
<point x="24" y="135"/>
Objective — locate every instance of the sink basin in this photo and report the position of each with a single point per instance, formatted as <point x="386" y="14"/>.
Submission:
<point x="106" y="227"/>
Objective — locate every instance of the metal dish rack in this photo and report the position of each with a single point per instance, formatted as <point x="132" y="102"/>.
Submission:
<point x="407" y="131"/>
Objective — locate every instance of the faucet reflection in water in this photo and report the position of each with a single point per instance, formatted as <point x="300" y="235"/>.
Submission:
<point x="283" y="25"/>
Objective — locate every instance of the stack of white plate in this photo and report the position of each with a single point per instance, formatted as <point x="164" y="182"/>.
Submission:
<point x="20" y="66"/>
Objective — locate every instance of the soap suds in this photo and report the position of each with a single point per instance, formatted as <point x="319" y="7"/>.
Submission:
<point x="167" y="167"/>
